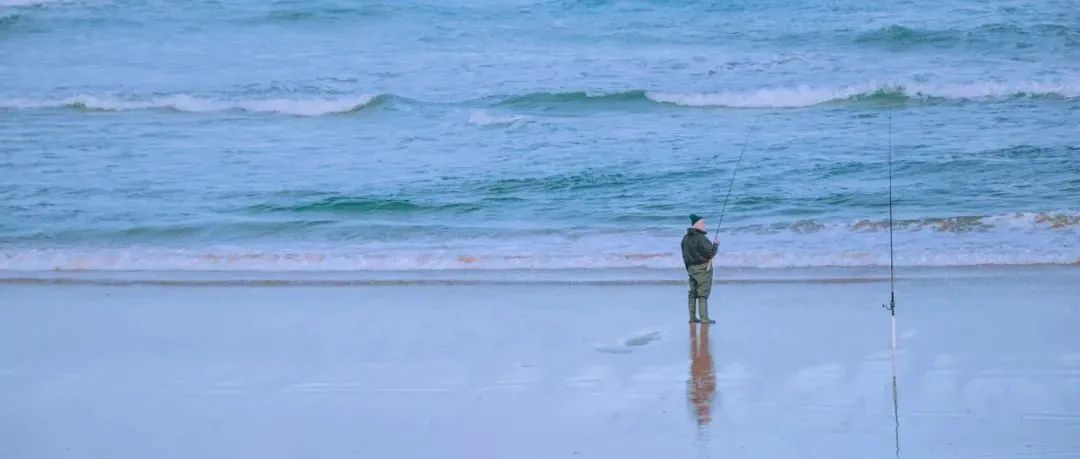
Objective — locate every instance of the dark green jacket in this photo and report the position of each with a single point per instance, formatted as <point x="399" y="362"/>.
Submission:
<point x="696" y="248"/>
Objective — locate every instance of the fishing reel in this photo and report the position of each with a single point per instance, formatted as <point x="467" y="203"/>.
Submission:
<point x="891" y="307"/>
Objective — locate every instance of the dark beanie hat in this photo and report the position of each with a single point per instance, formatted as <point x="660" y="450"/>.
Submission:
<point x="694" y="218"/>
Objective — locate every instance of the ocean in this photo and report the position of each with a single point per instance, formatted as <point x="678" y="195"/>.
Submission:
<point x="327" y="135"/>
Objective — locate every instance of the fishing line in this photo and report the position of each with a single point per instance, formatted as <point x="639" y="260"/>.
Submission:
<point x="731" y="183"/>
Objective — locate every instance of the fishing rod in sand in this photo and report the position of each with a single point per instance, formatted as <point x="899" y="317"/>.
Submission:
<point x="891" y="307"/>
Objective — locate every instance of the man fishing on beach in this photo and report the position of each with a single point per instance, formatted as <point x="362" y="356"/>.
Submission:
<point x="697" y="253"/>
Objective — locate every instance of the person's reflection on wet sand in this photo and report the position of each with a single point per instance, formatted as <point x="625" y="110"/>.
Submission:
<point x="701" y="387"/>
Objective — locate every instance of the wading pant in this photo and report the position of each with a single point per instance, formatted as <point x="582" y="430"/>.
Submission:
<point x="700" y="280"/>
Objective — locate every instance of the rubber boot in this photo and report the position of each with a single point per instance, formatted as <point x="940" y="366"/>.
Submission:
<point x="703" y="307"/>
<point x="693" y="311"/>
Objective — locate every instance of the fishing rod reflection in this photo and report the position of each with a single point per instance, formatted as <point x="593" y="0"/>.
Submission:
<point x="701" y="387"/>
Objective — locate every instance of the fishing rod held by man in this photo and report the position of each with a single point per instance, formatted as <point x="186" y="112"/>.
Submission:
<point x="697" y="254"/>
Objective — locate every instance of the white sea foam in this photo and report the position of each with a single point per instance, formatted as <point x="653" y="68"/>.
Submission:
<point x="195" y="104"/>
<point x="1021" y="238"/>
<point x="137" y="259"/>
<point x="799" y="96"/>
<point x="805" y="95"/>
<point x="769" y="97"/>
<point x="485" y="118"/>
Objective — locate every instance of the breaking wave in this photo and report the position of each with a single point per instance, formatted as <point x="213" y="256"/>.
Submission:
<point x="1022" y="238"/>
<point x="804" y="95"/>
<point x="873" y="92"/>
<point x="771" y="97"/>
<point x="138" y="259"/>
<point x="196" y="104"/>
<point x="1059" y="221"/>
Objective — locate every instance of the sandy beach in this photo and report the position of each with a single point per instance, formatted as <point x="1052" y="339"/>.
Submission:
<point x="989" y="367"/>
<point x="428" y="229"/>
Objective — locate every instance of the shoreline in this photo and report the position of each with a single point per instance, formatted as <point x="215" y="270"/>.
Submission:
<point x="542" y="277"/>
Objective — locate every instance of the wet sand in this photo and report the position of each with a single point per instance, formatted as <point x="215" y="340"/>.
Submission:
<point x="989" y="367"/>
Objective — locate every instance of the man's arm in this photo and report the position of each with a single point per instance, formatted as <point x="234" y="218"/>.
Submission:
<point x="707" y="248"/>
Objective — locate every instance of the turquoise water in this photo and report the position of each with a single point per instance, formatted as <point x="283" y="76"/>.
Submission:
<point x="325" y="135"/>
